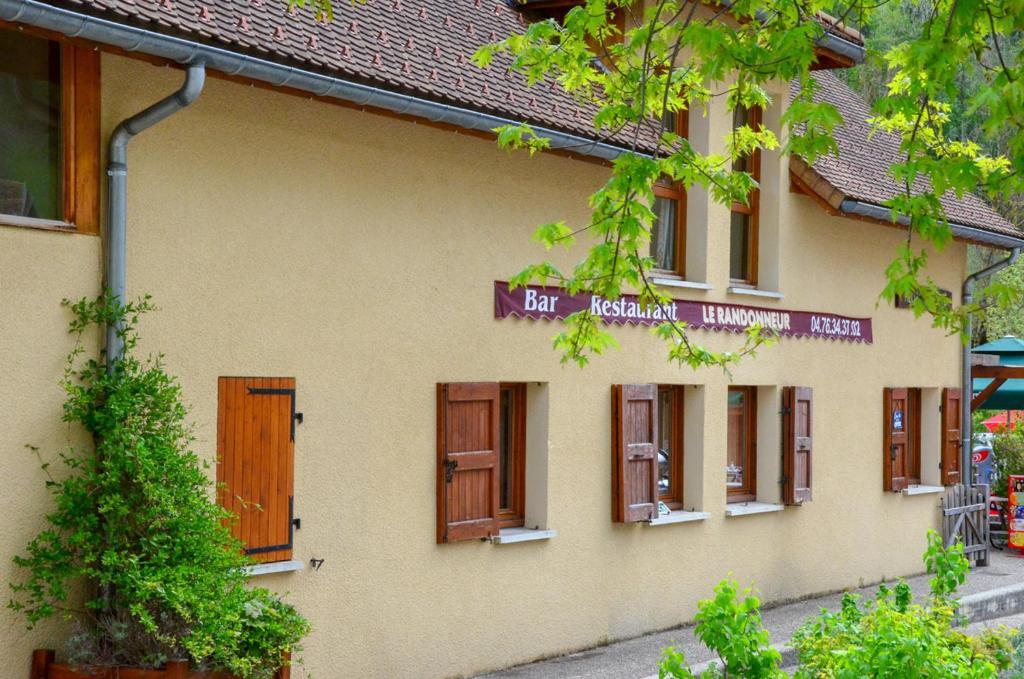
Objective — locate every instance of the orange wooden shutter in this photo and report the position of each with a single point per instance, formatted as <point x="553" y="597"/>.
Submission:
<point x="468" y="416"/>
<point x="634" y="452"/>
<point x="797" y="445"/>
<point x="951" y="433"/>
<point x="255" y="462"/>
<point x="896" y="413"/>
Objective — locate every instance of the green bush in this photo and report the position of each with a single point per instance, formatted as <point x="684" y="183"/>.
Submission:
<point x="135" y="526"/>
<point x="889" y="636"/>
<point x="1008" y="449"/>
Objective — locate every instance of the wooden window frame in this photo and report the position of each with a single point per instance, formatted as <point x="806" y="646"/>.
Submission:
<point x="755" y="116"/>
<point x="514" y="516"/>
<point x="748" y="492"/>
<point x="675" y="191"/>
<point x="80" y="145"/>
<point x="674" y="498"/>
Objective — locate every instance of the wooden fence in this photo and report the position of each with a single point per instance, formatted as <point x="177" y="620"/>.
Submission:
<point x="965" y="518"/>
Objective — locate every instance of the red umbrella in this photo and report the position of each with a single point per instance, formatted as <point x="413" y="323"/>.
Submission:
<point x="997" y="422"/>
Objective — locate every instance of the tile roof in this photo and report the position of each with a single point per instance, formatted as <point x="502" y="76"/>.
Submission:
<point x="861" y="170"/>
<point x="423" y="48"/>
<point x="418" y="47"/>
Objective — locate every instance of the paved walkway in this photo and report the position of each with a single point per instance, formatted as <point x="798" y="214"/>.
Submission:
<point x="638" y="658"/>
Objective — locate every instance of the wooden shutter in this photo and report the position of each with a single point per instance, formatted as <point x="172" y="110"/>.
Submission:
<point x="896" y="412"/>
<point x="468" y="416"/>
<point x="797" y="445"/>
<point x="255" y="462"/>
<point x="634" y="452"/>
<point x="951" y="433"/>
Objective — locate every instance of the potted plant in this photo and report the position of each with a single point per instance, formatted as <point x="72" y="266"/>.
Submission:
<point x="135" y="533"/>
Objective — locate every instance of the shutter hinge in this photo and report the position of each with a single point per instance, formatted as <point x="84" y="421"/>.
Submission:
<point x="449" y="469"/>
<point x="786" y="410"/>
<point x="297" y="522"/>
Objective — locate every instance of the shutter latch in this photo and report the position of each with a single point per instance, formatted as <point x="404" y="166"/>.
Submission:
<point x="449" y="469"/>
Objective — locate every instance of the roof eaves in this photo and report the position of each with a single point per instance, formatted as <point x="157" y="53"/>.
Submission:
<point x="839" y="203"/>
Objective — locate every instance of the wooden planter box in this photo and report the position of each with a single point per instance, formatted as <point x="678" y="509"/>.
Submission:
<point x="43" y="667"/>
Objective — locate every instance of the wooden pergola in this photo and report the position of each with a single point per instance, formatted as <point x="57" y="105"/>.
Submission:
<point x="998" y="374"/>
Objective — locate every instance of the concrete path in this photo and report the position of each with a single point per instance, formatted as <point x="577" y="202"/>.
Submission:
<point x="997" y="590"/>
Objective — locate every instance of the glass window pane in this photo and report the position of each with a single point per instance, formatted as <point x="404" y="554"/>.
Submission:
<point x="668" y="121"/>
<point x="663" y="234"/>
<point x="505" y="452"/>
<point x="665" y="452"/>
<point x="30" y="144"/>
<point x="739" y="247"/>
<point x="737" y="443"/>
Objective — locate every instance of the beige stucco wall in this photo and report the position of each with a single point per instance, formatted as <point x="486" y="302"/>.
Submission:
<point x="355" y="252"/>
<point x="37" y="270"/>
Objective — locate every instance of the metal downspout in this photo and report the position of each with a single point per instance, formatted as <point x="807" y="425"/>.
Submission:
<point x="966" y="382"/>
<point x="117" y="189"/>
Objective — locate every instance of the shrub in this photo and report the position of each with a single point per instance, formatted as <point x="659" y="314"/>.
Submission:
<point x="135" y="525"/>
<point x="1008" y="447"/>
<point x="889" y="636"/>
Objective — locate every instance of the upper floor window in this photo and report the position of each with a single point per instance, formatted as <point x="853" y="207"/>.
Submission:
<point x="743" y="227"/>
<point x="49" y="133"/>
<point x="668" y="232"/>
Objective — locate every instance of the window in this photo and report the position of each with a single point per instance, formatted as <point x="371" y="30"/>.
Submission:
<point x="255" y="462"/>
<point x="902" y="438"/>
<point x="741" y="446"/>
<point x="481" y="459"/>
<point x="668" y="232"/>
<point x="743" y="227"/>
<point x="512" y="455"/>
<point x="670" y="445"/>
<point x="49" y="133"/>
<point x="648" y="445"/>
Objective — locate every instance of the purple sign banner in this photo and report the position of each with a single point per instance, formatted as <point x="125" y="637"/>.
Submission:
<point x="550" y="303"/>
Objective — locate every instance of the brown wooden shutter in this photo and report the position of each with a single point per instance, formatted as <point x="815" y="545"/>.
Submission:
<point x="468" y="418"/>
<point x="951" y="434"/>
<point x="896" y="412"/>
<point x="797" y="445"/>
<point x="634" y="452"/>
<point x="255" y="462"/>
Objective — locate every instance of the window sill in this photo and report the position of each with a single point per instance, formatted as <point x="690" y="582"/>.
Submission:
<point x="274" y="567"/>
<point x="753" y="292"/>
<point x="678" y="516"/>
<point x="35" y="223"/>
<point x="922" y="490"/>
<point x="508" y="536"/>
<point x="747" y="508"/>
<point x="680" y="283"/>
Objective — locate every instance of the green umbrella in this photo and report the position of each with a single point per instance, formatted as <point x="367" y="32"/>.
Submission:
<point x="1010" y="396"/>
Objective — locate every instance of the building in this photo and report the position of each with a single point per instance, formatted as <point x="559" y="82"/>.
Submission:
<point x="333" y="246"/>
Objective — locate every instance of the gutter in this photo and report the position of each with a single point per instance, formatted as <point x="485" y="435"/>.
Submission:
<point x="134" y="39"/>
<point x="971" y="233"/>
<point x="117" y="191"/>
<point x="966" y="380"/>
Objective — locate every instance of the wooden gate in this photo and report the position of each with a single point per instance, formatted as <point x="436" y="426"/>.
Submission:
<point x="965" y="517"/>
